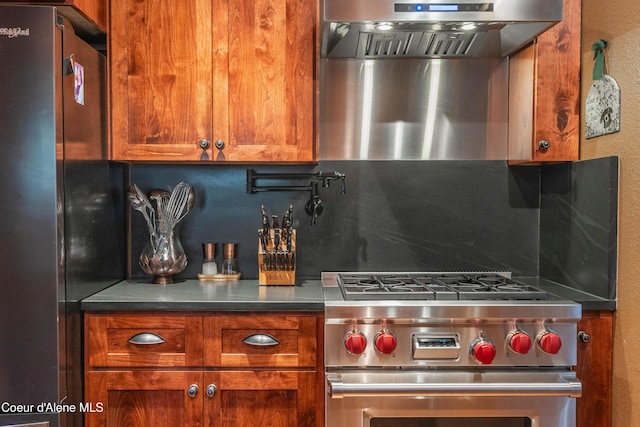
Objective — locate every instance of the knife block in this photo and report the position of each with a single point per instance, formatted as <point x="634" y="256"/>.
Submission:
<point x="277" y="266"/>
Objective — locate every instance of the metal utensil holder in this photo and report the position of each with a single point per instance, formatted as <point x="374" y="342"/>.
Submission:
<point x="277" y="265"/>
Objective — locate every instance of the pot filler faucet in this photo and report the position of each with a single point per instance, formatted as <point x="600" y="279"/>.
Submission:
<point x="314" y="206"/>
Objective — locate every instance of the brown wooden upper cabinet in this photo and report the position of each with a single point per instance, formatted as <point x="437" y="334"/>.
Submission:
<point x="213" y="80"/>
<point x="544" y="94"/>
<point x="88" y="16"/>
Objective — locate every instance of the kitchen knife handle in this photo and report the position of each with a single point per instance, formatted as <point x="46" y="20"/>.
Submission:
<point x="265" y="223"/>
<point x="263" y="242"/>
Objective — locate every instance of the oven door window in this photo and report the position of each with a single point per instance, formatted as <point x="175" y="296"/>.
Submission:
<point x="450" y="422"/>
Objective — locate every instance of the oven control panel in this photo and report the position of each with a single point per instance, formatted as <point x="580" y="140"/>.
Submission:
<point x="436" y="347"/>
<point x="383" y="343"/>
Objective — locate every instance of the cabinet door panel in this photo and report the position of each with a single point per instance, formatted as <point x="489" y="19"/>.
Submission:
<point x="264" y="79"/>
<point x="257" y="76"/>
<point x="161" y="67"/>
<point x="544" y="94"/>
<point x="259" y="398"/>
<point x="144" y="398"/>
<point x="594" y="370"/>
<point x="557" y="106"/>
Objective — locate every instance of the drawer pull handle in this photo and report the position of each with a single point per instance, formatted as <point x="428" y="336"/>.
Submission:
<point x="146" y="338"/>
<point x="261" y="340"/>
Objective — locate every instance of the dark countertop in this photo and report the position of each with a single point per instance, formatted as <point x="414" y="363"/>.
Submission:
<point x="587" y="300"/>
<point x="248" y="295"/>
<point x="187" y="295"/>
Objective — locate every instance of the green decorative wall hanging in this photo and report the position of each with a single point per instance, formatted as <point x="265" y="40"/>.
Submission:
<point x="603" y="99"/>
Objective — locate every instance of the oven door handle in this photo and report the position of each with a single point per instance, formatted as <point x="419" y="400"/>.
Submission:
<point x="336" y="389"/>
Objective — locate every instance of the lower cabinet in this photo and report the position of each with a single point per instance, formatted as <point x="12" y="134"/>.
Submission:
<point x="250" y="398"/>
<point x="144" y="398"/>
<point x="594" y="369"/>
<point x="191" y="398"/>
<point x="244" y="381"/>
<point x="252" y="369"/>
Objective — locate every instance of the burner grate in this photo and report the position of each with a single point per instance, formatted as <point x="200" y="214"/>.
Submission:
<point x="436" y="286"/>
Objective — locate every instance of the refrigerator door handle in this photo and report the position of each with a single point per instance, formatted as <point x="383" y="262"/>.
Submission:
<point x="68" y="64"/>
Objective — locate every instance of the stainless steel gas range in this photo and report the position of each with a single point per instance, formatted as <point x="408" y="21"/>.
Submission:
<point x="447" y="350"/>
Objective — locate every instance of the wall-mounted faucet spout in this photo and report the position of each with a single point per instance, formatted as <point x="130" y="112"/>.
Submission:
<point x="315" y="206"/>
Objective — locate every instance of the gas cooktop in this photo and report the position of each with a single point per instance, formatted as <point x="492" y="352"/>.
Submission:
<point x="435" y="286"/>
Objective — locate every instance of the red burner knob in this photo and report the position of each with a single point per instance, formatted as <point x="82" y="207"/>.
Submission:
<point x="385" y="342"/>
<point x="483" y="351"/>
<point x="550" y="342"/>
<point x="520" y="342"/>
<point x="355" y="342"/>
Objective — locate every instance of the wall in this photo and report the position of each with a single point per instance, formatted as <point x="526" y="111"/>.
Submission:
<point x="617" y="22"/>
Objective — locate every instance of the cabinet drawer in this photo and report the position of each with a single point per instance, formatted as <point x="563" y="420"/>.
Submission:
<point x="260" y="341"/>
<point x="143" y="340"/>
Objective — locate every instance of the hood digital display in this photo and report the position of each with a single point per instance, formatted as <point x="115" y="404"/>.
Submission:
<point x="443" y="7"/>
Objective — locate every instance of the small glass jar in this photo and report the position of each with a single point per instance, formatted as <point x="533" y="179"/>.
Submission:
<point x="209" y="266"/>
<point x="230" y="262"/>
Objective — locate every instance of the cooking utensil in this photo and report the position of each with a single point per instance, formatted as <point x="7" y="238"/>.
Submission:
<point x="176" y="208"/>
<point x="141" y="203"/>
<point x="191" y="200"/>
<point x="161" y="197"/>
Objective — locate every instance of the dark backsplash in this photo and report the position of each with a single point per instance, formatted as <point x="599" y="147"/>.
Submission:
<point x="394" y="216"/>
<point x="428" y="216"/>
<point x="95" y="230"/>
<point x="579" y="225"/>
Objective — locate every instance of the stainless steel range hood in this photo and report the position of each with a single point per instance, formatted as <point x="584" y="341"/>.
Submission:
<point x="370" y="29"/>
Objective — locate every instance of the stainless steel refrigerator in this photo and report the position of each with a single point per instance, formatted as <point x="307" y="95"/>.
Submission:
<point x="61" y="211"/>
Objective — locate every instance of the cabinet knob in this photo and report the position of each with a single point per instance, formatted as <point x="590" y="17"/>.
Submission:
<point x="544" y="144"/>
<point x="192" y="391"/>
<point x="584" y="337"/>
<point x="204" y="144"/>
<point x="219" y="144"/>
<point x="211" y="390"/>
